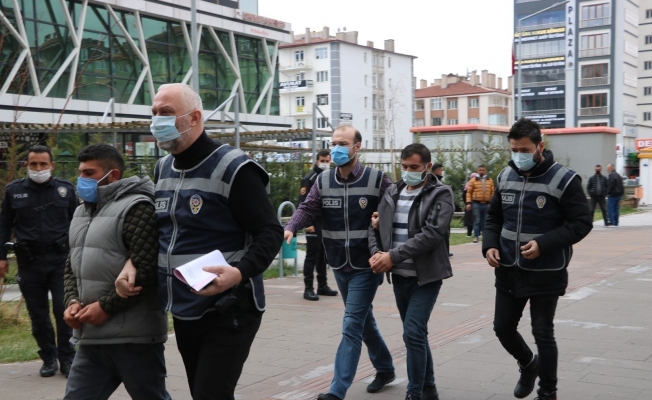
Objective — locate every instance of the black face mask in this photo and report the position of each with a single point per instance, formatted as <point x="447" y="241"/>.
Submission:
<point x="598" y="172"/>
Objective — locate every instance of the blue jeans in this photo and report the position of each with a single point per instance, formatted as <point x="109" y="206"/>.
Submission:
<point x="98" y="370"/>
<point x="415" y="304"/>
<point x="613" y="208"/>
<point x="358" y="289"/>
<point x="479" y="216"/>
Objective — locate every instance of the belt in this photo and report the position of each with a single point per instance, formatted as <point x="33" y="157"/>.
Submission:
<point x="481" y="202"/>
<point x="43" y="250"/>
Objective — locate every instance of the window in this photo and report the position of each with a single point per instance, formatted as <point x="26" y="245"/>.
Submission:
<point x="648" y="14"/>
<point x="301" y="76"/>
<point x="594" y="104"/>
<point x="366" y="124"/>
<point x="473" y="103"/>
<point x="374" y="80"/>
<point x="647" y="91"/>
<point x="321" y="53"/>
<point x="301" y="124"/>
<point x="301" y="101"/>
<point x="647" y="65"/>
<point x="648" y="39"/>
<point x="375" y="123"/>
<point x="543" y="75"/>
<point x="365" y="102"/>
<point x="594" y="75"/>
<point x="382" y="143"/>
<point x="322" y="76"/>
<point x="545" y="18"/>
<point x="298" y="56"/>
<point x="595" y="45"/>
<point x="452" y="122"/>
<point x="647" y="115"/>
<point x="365" y="58"/>
<point x="418" y="105"/>
<point x="452" y="104"/>
<point x="375" y="143"/>
<point x="389" y="83"/>
<point x="436" y="121"/>
<point x="474" y="120"/>
<point x="322" y="99"/>
<point x="374" y="59"/>
<point x="436" y="103"/>
<point x="366" y="80"/>
<point x="596" y="15"/>
<point x="497" y="119"/>
<point x="322" y="123"/>
<point x="541" y="49"/>
<point x="589" y="124"/>
<point x="389" y="62"/>
<point x="419" y="122"/>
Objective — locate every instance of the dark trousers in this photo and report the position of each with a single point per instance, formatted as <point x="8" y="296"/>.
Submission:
<point x="315" y="259"/>
<point x="479" y="217"/>
<point x="509" y="311"/>
<point x="42" y="276"/>
<point x="600" y="200"/>
<point x="215" y="347"/>
<point x="613" y="205"/>
<point x="98" y="370"/>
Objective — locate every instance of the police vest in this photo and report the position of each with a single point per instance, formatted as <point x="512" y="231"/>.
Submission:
<point x="531" y="207"/>
<point x="346" y="214"/>
<point x="194" y="219"/>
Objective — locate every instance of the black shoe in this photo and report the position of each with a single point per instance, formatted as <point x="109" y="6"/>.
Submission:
<point x="546" y="396"/>
<point x="326" y="291"/>
<point x="49" y="368"/>
<point x="380" y="381"/>
<point x="525" y="384"/>
<point x="310" y="295"/>
<point x="410" y="397"/>
<point x="450" y="254"/>
<point x="430" y="393"/>
<point x="327" y="396"/>
<point x="65" y="367"/>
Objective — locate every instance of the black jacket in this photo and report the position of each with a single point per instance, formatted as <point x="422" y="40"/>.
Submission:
<point x="579" y="222"/>
<point x="615" y="184"/>
<point x="306" y="184"/>
<point x="597" y="183"/>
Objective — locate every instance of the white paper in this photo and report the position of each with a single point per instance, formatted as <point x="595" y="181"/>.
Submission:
<point x="193" y="274"/>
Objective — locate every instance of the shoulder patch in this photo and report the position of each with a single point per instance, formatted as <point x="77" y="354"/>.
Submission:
<point x="62" y="191"/>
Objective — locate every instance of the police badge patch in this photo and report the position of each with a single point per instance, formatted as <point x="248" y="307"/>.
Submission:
<point x="62" y="191"/>
<point x="195" y="203"/>
<point x="541" y="201"/>
<point x="363" y="202"/>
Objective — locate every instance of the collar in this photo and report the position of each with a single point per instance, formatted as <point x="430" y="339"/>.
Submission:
<point x="30" y="183"/>
<point x="355" y="173"/>
<point x="196" y="153"/>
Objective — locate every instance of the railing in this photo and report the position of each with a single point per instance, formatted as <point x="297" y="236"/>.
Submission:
<point x="542" y="55"/>
<point x="543" y="112"/>
<point x="542" y="26"/>
<point x="600" y="81"/>
<point x="597" y="52"/>
<point x="539" y="84"/>
<point x="296" y="65"/>
<point x="591" y="22"/>
<point x="589" y="111"/>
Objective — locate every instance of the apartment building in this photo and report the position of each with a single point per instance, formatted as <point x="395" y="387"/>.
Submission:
<point x="361" y="85"/>
<point x="588" y="52"/>
<point x="459" y="100"/>
<point x="644" y="113"/>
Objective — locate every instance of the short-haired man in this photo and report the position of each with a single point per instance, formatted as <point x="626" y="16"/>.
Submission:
<point x="315" y="256"/>
<point x="438" y="170"/>
<point x="210" y="196"/>
<point x="346" y="197"/>
<point x="597" y="188"/>
<point x="408" y="239"/>
<point x="38" y="210"/>
<point x="538" y="212"/>
<point x="615" y="192"/>
<point x="478" y="195"/>
<point x="120" y="340"/>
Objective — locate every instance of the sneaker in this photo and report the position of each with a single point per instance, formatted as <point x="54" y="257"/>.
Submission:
<point x="326" y="291"/>
<point x="381" y="379"/>
<point x="49" y="368"/>
<point x="430" y="393"/>
<point x="65" y="368"/>
<point x="327" y="396"/>
<point x="475" y="239"/>
<point x="546" y="396"/>
<point x="309" y="294"/>
<point x="529" y="374"/>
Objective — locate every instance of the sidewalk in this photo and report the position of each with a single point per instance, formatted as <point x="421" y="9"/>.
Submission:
<point x="603" y="329"/>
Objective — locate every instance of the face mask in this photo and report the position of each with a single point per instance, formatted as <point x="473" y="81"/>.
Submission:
<point x="87" y="188"/>
<point x="323" y="166"/>
<point x="524" y="161"/>
<point x="340" y="155"/>
<point x="39" y="176"/>
<point x="598" y="172"/>
<point x="164" y="128"/>
<point x="412" y="178"/>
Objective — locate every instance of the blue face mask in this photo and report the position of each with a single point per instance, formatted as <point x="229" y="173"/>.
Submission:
<point x="87" y="188"/>
<point x="164" y="128"/>
<point x="413" y="178"/>
<point x="524" y="161"/>
<point x="340" y="155"/>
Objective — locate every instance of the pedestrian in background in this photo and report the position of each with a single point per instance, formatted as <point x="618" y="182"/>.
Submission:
<point x="478" y="195"/>
<point x="597" y="189"/>
<point x="615" y="192"/>
<point x="38" y="210"/>
<point x="438" y="171"/>
<point x="468" y="213"/>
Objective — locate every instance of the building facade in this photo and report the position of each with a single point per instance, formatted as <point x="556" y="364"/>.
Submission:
<point x="460" y="100"/>
<point x="580" y="66"/>
<point x="62" y="61"/>
<point x="364" y="86"/>
<point x="645" y="69"/>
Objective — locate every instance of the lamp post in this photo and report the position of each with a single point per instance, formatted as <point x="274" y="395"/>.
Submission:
<point x="519" y="104"/>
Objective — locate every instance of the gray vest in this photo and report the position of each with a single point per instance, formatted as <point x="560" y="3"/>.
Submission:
<point x="97" y="256"/>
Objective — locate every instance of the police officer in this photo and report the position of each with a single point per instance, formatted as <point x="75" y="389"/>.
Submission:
<point x="38" y="210"/>
<point x="315" y="249"/>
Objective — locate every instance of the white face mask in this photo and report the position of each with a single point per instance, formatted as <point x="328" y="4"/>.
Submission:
<point x="39" y="176"/>
<point x="324" y="166"/>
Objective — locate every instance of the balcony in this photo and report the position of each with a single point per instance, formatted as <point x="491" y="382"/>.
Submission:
<point x="591" y="111"/>
<point x="539" y="27"/>
<point x="601" y="81"/>
<point x="295" y="66"/>
<point x="543" y="112"/>
<point x="539" y="84"/>
<point x="299" y="111"/>
<point x="295" y="86"/>
<point x="590" y="23"/>
<point x="597" y="52"/>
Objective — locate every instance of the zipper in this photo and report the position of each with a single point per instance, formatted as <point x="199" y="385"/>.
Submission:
<point x="346" y="223"/>
<point x="519" y="221"/>
<point x="173" y="240"/>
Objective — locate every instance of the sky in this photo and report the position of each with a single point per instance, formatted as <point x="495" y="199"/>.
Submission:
<point x="447" y="36"/>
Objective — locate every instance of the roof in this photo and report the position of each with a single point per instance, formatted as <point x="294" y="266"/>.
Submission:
<point x="459" y="128"/>
<point x="318" y="40"/>
<point x="455" y="89"/>
<point x="584" y="129"/>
